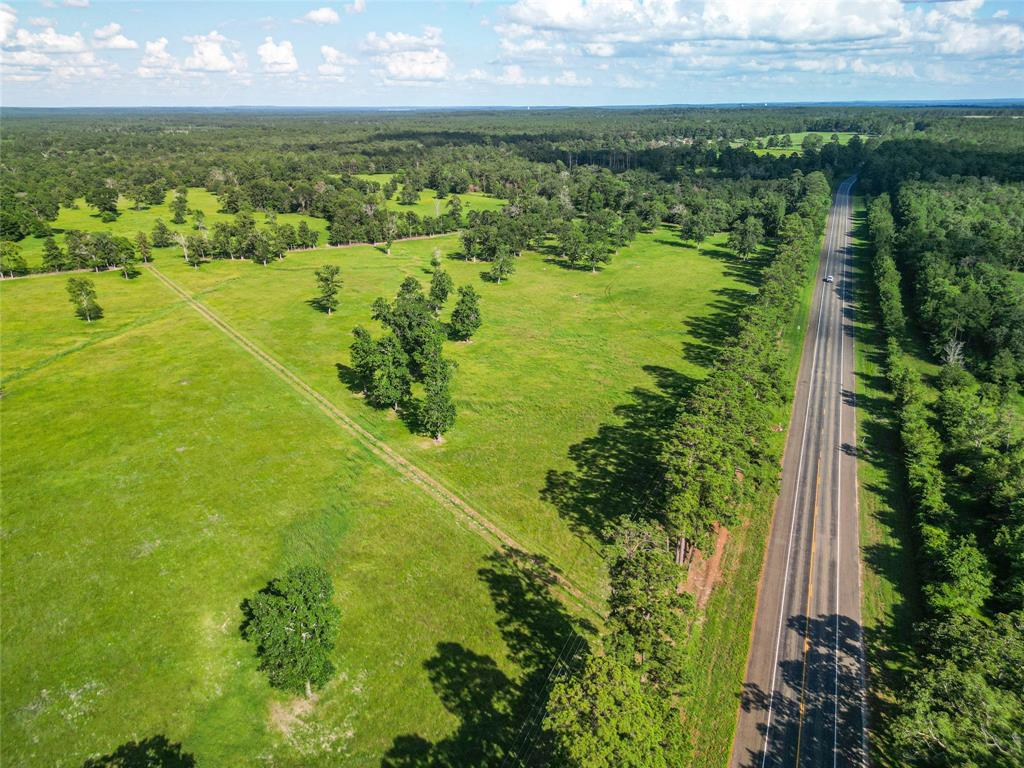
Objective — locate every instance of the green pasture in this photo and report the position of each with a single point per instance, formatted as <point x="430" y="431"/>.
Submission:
<point x="131" y="220"/>
<point x="796" y="140"/>
<point x="155" y="475"/>
<point x="428" y="203"/>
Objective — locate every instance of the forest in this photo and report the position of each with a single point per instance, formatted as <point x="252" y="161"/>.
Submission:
<point x="304" y="236"/>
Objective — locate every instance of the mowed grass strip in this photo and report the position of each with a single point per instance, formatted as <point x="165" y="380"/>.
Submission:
<point x="557" y="393"/>
<point x="154" y="479"/>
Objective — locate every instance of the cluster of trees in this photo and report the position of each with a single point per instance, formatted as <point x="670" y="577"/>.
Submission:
<point x="412" y="350"/>
<point x="961" y="246"/>
<point x="623" y="708"/>
<point x="965" y="703"/>
<point x="720" y="450"/>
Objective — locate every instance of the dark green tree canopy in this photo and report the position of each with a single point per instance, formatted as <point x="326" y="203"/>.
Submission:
<point x="294" y="624"/>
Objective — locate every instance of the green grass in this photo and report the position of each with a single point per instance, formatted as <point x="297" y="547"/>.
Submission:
<point x="890" y="602"/>
<point x="155" y="474"/>
<point x="560" y="350"/>
<point x="429" y="205"/>
<point x="131" y="221"/>
<point x="796" y="140"/>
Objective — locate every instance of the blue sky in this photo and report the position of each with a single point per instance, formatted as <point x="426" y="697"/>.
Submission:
<point x="519" y="52"/>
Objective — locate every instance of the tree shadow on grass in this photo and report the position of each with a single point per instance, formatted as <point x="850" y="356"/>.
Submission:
<point x="714" y="331"/>
<point x="153" y="752"/>
<point x="499" y="715"/>
<point x="347" y="375"/>
<point x="617" y="471"/>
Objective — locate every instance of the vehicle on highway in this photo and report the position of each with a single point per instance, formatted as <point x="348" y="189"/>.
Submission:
<point x="829" y="279"/>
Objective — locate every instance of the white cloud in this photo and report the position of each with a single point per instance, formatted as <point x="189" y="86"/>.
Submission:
<point x="1001" y="14"/>
<point x="39" y="21"/>
<point x="400" y="41"/>
<point x="322" y="16"/>
<point x="76" y="3"/>
<point x="334" y="64"/>
<point x="156" y="61"/>
<point x="277" y="58"/>
<point x="570" y="78"/>
<point x="110" y="36"/>
<point x="208" y="54"/>
<point x="357" y="6"/>
<point x="47" y="41"/>
<point x="415" y="66"/>
<point x="8" y="21"/>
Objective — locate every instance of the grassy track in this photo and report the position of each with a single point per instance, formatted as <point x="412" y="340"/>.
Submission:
<point x="148" y="487"/>
<point x="567" y="363"/>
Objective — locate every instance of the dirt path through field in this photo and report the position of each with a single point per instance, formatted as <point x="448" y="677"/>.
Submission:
<point x="477" y="522"/>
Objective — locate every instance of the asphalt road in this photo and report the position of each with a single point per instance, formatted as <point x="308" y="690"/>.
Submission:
<point x="803" y="701"/>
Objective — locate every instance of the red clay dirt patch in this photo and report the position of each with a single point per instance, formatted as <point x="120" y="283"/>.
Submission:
<point x="705" y="572"/>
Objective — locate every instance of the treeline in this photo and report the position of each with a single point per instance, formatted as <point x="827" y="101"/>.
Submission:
<point x="720" y="453"/>
<point x="964" y="703"/>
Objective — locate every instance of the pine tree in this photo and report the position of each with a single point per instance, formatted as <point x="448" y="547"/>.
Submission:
<point x="466" y="316"/>
<point x="54" y="259"/>
<point x="161" y="237"/>
<point x="82" y="294"/>
<point x="437" y="414"/>
<point x="142" y="244"/>
<point x="363" y="356"/>
<point x="391" y="382"/>
<point x="440" y="287"/>
<point x="179" y="206"/>
<point x="328" y="281"/>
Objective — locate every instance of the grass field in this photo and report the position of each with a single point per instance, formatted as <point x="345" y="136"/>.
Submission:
<point x="131" y="221"/>
<point x="429" y="205"/>
<point x="796" y="140"/>
<point x="155" y="475"/>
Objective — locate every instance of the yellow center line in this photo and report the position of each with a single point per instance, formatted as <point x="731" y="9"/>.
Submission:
<point x="807" y="612"/>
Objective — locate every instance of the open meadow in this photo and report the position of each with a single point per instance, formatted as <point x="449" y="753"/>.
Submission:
<point x="196" y="474"/>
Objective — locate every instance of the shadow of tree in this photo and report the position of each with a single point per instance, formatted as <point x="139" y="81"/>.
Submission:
<point x="153" y="752"/>
<point x="816" y="707"/>
<point x="616" y="471"/>
<point x="499" y="716"/>
<point x="714" y="330"/>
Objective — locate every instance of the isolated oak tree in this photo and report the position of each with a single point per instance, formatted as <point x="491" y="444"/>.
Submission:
<point x="504" y="264"/>
<point x="465" y="318"/>
<point x="441" y="285"/>
<point x="82" y="294"/>
<point x="294" y="624"/>
<point x="328" y="281"/>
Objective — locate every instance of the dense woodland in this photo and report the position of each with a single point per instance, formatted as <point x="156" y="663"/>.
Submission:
<point x="947" y="227"/>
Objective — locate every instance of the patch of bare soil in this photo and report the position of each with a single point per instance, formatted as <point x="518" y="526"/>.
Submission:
<point x="705" y="572"/>
<point x="285" y="716"/>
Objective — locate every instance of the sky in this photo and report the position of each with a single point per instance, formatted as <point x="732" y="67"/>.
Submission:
<point x="378" y="53"/>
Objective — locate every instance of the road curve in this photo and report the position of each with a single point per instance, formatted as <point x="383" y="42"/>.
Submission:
<point x="803" y="699"/>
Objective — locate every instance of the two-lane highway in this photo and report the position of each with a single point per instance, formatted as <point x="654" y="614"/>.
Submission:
<point x="804" y="694"/>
